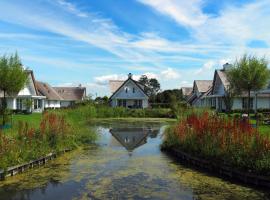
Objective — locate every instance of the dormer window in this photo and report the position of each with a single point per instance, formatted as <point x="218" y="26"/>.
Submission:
<point x="126" y="90"/>
<point x="133" y="90"/>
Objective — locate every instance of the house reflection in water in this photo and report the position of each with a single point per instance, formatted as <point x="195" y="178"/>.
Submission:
<point x="131" y="138"/>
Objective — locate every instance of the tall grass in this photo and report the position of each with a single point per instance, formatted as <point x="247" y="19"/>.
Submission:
<point x="227" y="141"/>
<point x="55" y="133"/>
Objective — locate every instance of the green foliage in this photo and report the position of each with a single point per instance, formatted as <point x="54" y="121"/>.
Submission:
<point x="28" y="103"/>
<point x="168" y="97"/>
<point x="152" y="86"/>
<point x="249" y="73"/>
<point x="12" y="78"/>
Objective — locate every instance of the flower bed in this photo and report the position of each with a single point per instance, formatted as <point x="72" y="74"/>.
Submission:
<point x="229" y="142"/>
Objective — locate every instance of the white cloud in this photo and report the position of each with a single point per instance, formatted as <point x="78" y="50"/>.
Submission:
<point x="71" y="8"/>
<point x="104" y="80"/>
<point x="170" y="74"/>
<point x="187" y="13"/>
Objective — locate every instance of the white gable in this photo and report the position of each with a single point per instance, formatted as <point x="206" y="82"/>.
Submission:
<point x="130" y="91"/>
<point x="29" y="88"/>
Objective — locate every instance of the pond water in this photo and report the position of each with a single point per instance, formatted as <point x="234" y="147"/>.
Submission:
<point x="125" y="164"/>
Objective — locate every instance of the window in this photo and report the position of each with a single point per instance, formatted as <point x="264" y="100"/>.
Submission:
<point x="126" y="90"/>
<point x="124" y="103"/>
<point x="213" y="102"/>
<point x="133" y="90"/>
<point x="245" y="103"/>
<point x="35" y="103"/>
<point x="119" y="102"/>
<point x="19" y="104"/>
<point x="140" y="103"/>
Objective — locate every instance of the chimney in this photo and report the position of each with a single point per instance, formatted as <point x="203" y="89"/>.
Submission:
<point x="227" y="66"/>
<point x="129" y="75"/>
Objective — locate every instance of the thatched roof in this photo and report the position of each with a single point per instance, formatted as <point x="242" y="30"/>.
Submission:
<point x="46" y="90"/>
<point x="203" y="85"/>
<point x="71" y="93"/>
<point x="115" y="84"/>
<point x="186" y="91"/>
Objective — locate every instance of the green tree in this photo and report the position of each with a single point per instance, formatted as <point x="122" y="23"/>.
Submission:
<point x="247" y="74"/>
<point x="152" y="86"/>
<point x="228" y="98"/>
<point x="12" y="79"/>
<point x="28" y="103"/>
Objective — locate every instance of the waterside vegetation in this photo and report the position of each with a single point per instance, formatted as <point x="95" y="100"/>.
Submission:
<point x="231" y="142"/>
<point x="35" y="135"/>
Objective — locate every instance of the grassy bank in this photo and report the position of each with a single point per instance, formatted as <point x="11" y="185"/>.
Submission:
<point x="36" y="135"/>
<point x="227" y="141"/>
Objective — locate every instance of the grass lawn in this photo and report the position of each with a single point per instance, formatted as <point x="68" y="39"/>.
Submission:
<point x="33" y="119"/>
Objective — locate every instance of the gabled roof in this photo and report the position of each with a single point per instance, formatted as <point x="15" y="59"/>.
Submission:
<point x="71" y="93"/>
<point x="130" y="138"/>
<point x="46" y="90"/>
<point x="115" y="84"/>
<point x="191" y="98"/>
<point x="207" y="93"/>
<point x="139" y="85"/>
<point x="186" y="91"/>
<point x="203" y="85"/>
<point x="33" y="79"/>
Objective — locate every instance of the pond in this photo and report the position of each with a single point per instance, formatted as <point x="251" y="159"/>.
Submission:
<point x="126" y="163"/>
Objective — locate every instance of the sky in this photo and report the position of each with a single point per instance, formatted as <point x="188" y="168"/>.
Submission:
<point x="89" y="42"/>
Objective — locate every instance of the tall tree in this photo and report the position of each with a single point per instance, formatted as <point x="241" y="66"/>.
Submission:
<point x="152" y="86"/>
<point x="12" y="79"/>
<point x="247" y="74"/>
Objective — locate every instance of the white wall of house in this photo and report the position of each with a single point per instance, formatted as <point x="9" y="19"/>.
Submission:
<point x="52" y="103"/>
<point x="263" y="102"/>
<point x="129" y="92"/>
<point x="145" y="103"/>
<point x="11" y="103"/>
<point x="126" y="92"/>
<point x="66" y="103"/>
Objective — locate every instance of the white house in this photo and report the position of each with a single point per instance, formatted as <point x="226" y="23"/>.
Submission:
<point x="220" y="86"/>
<point x="53" y="99"/>
<point x="70" y="95"/>
<point x="212" y="93"/>
<point x="128" y="94"/>
<point x="59" y="97"/>
<point x="200" y="89"/>
<point x="17" y="102"/>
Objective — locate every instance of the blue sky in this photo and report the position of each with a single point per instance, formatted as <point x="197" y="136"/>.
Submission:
<point x="88" y="42"/>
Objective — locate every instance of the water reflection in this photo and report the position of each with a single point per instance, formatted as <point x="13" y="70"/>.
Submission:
<point x="132" y="138"/>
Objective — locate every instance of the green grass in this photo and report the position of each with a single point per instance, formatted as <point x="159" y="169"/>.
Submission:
<point x="33" y="119"/>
